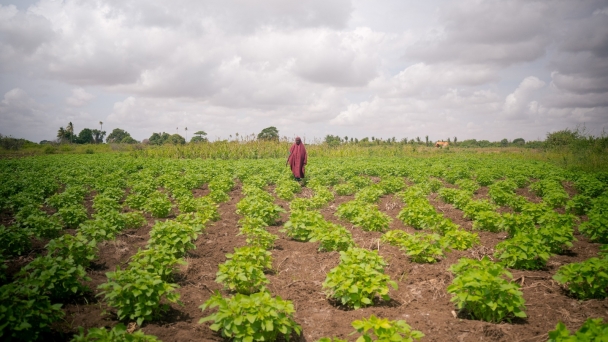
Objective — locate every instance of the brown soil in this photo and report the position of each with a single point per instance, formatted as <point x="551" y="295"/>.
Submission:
<point x="300" y="269"/>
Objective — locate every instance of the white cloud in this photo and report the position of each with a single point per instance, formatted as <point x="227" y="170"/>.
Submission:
<point x="79" y="98"/>
<point x="518" y="104"/>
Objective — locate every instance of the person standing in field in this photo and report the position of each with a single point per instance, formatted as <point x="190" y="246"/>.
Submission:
<point x="297" y="159"/>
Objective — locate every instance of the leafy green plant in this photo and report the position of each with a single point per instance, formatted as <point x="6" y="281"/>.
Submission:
<point x="78" y="247"/>
<point x="592" y="330"/>
<point x="256" y="317"/>
<point x="103" y="203"/>
<point x="173" y="236"/>
<point x="473" y="208"/>
<point x="535" y="210"/>
<point x="370" y="194"/>
<point x="57" y="277"/>
<point x="579" y="204"/>
<point x="303" y="224"/>
<point x="25" y="313"/>
<point x="391" y="185"/>
<point x="557" y="231"/>
<point x="243" y="272"/>
<point x="589" y="185"/>
<point x="481" y="290"/>
<point x="596" y="228"/>
<point x="258" y="206"/>
<point x="133" y="220"/>
<point x="137" y="201"/>
<point x="158" y="261"/>
<point x="394" y="237"/>
<point x="517" y="223"/>
<point x="333" y="237"/>
<point x="423" y="248"/>
<point x="468" y="185"/>
<point x="523" y="251"/>
<point x="585" y="280"/>
<point x="118" y="333"/>
<point x="419" y="213"/>
<point x="499" y="195"/>
<point x="358" y="278"/>
<point x="286" y="189"/>
<point x="42" y="226"/>
<point x="345" y="189"/>
<point x="137" y="294"/>
<point x="98" y="230"/>
<point x="158" y="204"/>
<point x="384" y="330"/>
<point x="256" y="235"/>
<point x="488" y="220"/>
<point x="72" y="215"/>
<point x="14" y="240"/>
<point x="460" y="239"/>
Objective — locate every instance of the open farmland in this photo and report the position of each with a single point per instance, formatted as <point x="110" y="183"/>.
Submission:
<point x="145" y="242"/>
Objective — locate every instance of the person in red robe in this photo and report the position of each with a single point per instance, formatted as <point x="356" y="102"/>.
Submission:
<point x="297" y="159"/>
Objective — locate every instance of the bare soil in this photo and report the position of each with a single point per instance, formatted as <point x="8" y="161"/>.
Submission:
<point x="300" y="269"/>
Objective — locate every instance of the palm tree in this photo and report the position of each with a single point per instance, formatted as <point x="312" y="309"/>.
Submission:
<point x="70" y="129"/>
<point x="101" y="124"/>
<point x="61" y="134"/>
<point x="186" y="129"/>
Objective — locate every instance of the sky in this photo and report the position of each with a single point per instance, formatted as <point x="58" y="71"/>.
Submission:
<point x="471" y="69"/>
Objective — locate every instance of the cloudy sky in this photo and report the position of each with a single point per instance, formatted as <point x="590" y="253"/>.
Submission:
<point x="471" y="69"/>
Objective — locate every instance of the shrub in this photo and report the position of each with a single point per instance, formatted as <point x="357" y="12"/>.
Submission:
<point x="585" y="280"/>
<point x="257" y="317"/>
<point x="136" y="294"/>
<point x="591" y="330"/>
<point x="384" y="329"/>
<point x="118" y="333"/>
<point x="57" y="277"/>
<point x="25" y="313"/>
<point x="358" y="278"/>
<point x="523" y="251"/>
<point x="481" y="290"/>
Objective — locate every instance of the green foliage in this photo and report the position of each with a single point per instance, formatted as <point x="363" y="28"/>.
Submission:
<point x="333" y="237"/>
<point x="488" y="220"/>
<point x="385" y="330"/>
<point x="589" y="185"/>
<point x="358" y="278"/>
<point x="98" y="230"/>
<point x="259" y="206"/>
<point x="14" y="240"/>
<point x="394" y="237"/>
<point x="42" y="226"/>
<point x="257" y="236"/>
<point x="370" y="194"/>
<point x="468" y="185"/>
<point x="499" y="195"/>
<point x="103" y="203"/>
<point x="366" y="216"/>
<point x="524" y="252"/>
<point x="269" y="133"/>
<point x="473" y="208"/>
<point x="391" y="185"/>
<point x="173" y="236"/>
<point x="517" y="223"/>
<point x="481" y="290"/>
<point x="158" y="204"/>
<point x="137" y="294"/>
<point x="256" y="317"/>
<point x="286" y="188"/>
<point x="243" y="272"/>
<point x="57" y="277"/>
<point x="585" y="280"/>
<point x="579" y="204"/>
<point x="78" y="247"/>
<point x="535" y="210"/>
<point x="302" y="225"/>
<point x="72" y="215"/>
<point x="419" y="213"/>
<point x="460" y="239"/>
<point x="345" y="189"/>
<point x="592" y="330"/>
<point x="556" y="231"/>
<point x="423" y="248"/>
<point x="116" y="334"/>
<point x="159" y="261"/>
<point x="25" y="313"/>
<point x="596" y="228"/>
<point x="134" y="220"/>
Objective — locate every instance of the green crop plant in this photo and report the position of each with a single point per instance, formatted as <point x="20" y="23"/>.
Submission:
<point x="517" y="223"/>
<point x="333" y="237"/>
<point x="321" y="197"/>
<point x="589" y="185"/>
<point x="370" y="194"/>
<point x="360" y="182"/>
<point x="419" y="214"/>
<point x="25" y="313"/>
<point x="604" y="251"/>
<point x="103" y="203"/>
<point x="480" y="288"/>
<point x="535" y="210"/>
<point x="73" y="195"/>
<point x="468" y="185"/>
<point x="460" y="239"/>
<point x="556" y="198"/>
<point x="256" y="317"/>
<point x="186" y="204"/>
<point x="302" y="225"/>
<point x="499" y="195"/>
<point x="259" y="206"/>
<point x="557" y="231"/>
<point x="394" y="237"/>
<point x="136" y="294"/>
<point x="243" y="272"/>
<point x="423" y="248"/>
<point x="350" y="210"/>
<point x="384" y="330"/>
<point x="442" y="225"/>
<point x="78" y="247"/>
<point x="488" y="220"/>
<point x="158" y="261"/>
<point x="517" y="203"/>
<point x="118" y="333"/>
<point x="474" y="207"/>
<point x="585" y="280"/>
<point x="72" y="215"/>
<point x="42" y="226"/>
<point x="594" y="329"/>
<point x="596" y="228"/>
<point x="222" y="183"/>
<point x="448" y="195"/>
<point x="158" y="204"/>
<point x="287" y="188"/>
<point x="391" y="184"/>
<point x="14" y="240"/>
<point x="57" y="277"/>
<point x="579" y="204"/>
<point x="358" y="278"/>
<point x="173" y="236"/>
<point x="133" y="220"/>
<point x="345" y="189"/>
<point x="524" y="251"/>
<point x="372" y="219"/>
<point x="137" y="201"/>
<point x="485" y="178"/>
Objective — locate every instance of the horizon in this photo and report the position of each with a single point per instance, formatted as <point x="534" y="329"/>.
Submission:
<point x="484" y="70"/>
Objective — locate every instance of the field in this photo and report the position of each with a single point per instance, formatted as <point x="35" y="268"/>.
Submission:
<point x="463" y="247"/>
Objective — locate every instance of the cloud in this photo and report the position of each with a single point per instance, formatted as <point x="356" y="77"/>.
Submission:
<point x="79" y="98"/>
<point x="517" y="104"/>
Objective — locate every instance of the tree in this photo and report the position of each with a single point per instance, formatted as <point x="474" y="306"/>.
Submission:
<point x="519" y="141"/>
<point x="70" y="130"/>
<point x="332" y="140"/>
<point x="201" y="136"/>
<point x="159" y="138"/>
<point x="61" y="134"/>
<point x="100" y="126"/>
<point x="269" y="133"/>
<point x="504" y="142"/>
<point x="427" y="140"/>
<point x="176" y="139"/>
<point x="117" y="136"/>
<point x="128" y="140"/>
<point x="98" y="136"/>
<point x="85" y="136"/>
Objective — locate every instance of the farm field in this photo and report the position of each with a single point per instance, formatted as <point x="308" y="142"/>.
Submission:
<point x="461" y="247"/>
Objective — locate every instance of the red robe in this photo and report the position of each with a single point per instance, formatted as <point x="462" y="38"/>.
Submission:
<point x="297" y="159"/>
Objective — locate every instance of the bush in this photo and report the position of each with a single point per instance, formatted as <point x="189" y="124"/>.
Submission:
<point x="524" y="252"/>
<point x="137" y="294"/>
<point x="25" y="313"/>
<point x="481" y="290"/>
<point x="358" y="278"/>
<point x="591" y="330"/>
<point x="117" y="334"/>
<point x="257" y="317"/>
<point x="585" y="280"/>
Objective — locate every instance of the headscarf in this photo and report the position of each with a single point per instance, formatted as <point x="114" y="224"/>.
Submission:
<point x="297" y="158"/>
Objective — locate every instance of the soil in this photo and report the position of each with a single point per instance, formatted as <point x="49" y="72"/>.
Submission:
<point x="300" y="269"/>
